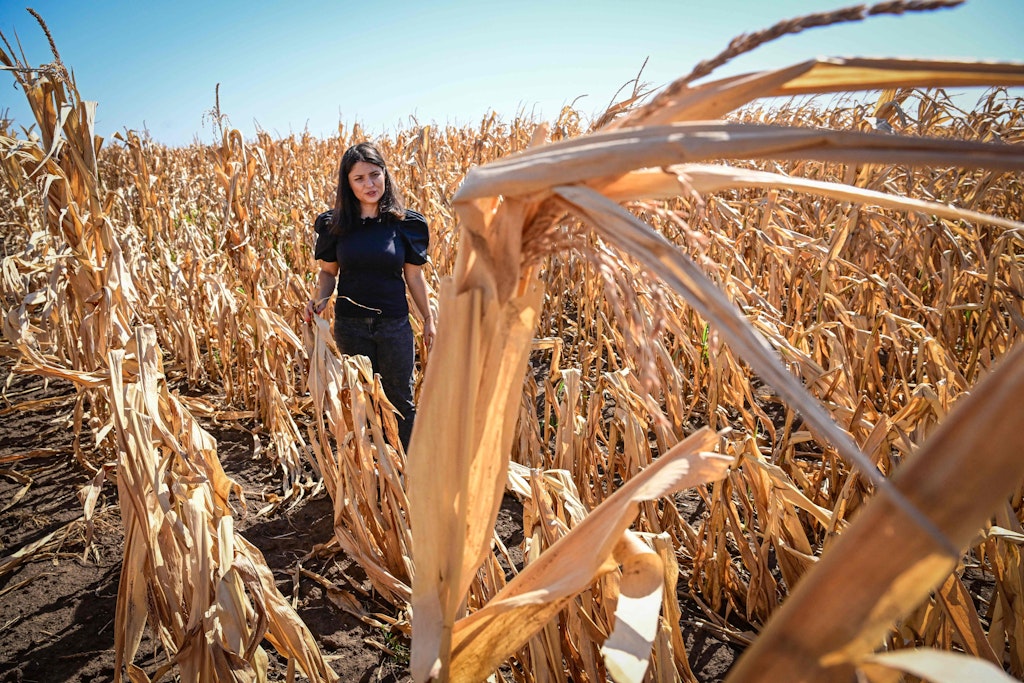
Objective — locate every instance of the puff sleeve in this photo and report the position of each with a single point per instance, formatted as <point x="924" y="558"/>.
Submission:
<point x="326" y="248"/>
<point x="416" y="234"/>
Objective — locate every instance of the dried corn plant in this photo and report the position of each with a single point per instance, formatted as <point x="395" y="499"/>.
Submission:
<point x="84" y="289"/>
<point x="206" y="591"/>
<point x="362" y="472"/>
<point x="507" y="207"/>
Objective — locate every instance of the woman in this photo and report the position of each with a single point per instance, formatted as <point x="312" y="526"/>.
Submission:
<point x="373" y="249"/>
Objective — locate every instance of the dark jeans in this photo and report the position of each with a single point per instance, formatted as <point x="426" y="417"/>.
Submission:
<point x="388" y="343"/>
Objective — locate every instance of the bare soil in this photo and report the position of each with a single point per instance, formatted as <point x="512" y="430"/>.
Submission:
<point x="57" y="606"/>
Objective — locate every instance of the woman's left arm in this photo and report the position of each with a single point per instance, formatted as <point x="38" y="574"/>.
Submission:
<point x="416" y="282"/>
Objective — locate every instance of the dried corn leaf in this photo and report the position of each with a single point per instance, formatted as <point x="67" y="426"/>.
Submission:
<point x="829" y="75"/>
<point x="601" y="157"/>
<point x="12" y="561"/>
<point x="627" y="650"/>
<point x="885" y="563"/>
<point x="938" y="666"/>
<point x="1005" y="534"/>
<point x="705" y="179"/>
<point x="485" y="638"/>
<point x="958" y="605"/>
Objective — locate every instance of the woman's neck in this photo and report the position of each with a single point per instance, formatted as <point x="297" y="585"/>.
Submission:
<point x="368" y="210"/>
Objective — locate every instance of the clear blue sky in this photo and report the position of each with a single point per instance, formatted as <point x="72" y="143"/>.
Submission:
<point x="287" y="66"/>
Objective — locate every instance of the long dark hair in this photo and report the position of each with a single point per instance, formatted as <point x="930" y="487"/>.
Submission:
<point x="346" y="206"/>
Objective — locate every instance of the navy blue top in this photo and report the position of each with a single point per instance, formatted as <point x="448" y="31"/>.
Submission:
<point x="370" y="258"/>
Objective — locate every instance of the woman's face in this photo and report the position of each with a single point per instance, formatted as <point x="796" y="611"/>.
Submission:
<point x="367" y="183"/>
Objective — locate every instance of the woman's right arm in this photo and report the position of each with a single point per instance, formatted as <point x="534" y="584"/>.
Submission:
<point x="325" y="283"/>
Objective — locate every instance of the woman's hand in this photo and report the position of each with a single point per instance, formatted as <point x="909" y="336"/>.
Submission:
<point x="429" y="332"/>
<point x="325" y="281"/>
<point x="417" y="284"/>
<point x="314" y="307"/>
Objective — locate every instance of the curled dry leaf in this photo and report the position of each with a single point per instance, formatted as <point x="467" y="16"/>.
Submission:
<point x="485" y="638"/>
